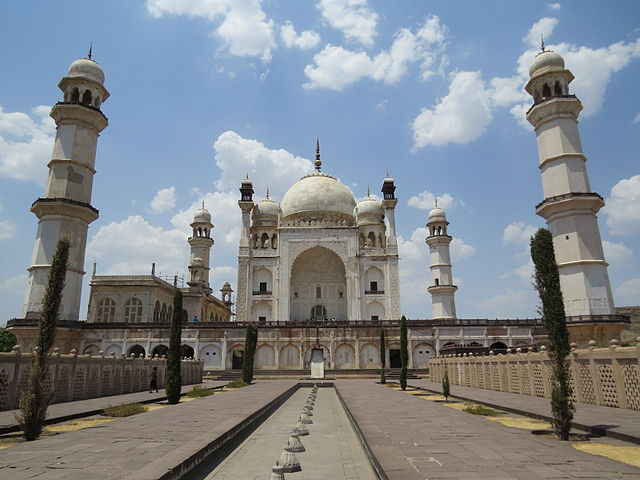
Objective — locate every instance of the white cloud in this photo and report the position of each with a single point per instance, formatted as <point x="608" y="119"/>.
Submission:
<point x="518" y="233"/>
<point x="26" y="143"/>
<point x="554" y="6"/>
<point x="506" y="91"/>
<point x="460" y="117"/>
<point x="623" y="207"/>
<point x="7" y="230"/>
<point x="15" y="285"/>
<point x="276" y="169"/>
<point x="616" y="252"/>
<point x="542" y="28"/>
<point x="164" y="200"/>
<point x="414" y="250"/>
<point x="244" y="28"/>
<point x="636" y="118"/>
<point x="336" y="67"/>
<point x="460" y="250"/>
<point x="130" y="246"/>
<point x="304" y="40"/>
<point x="503" y="305"/>
<point x="629" y="292"/>
<point x="426" y="201"/>
<point x="353" y="17"/>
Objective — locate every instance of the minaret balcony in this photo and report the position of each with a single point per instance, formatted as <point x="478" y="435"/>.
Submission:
<point x="436" y="289"/>
<point x="64" y="206"/>
<point x="570" y="201"/>
<point x="80" y="112"/>
<point x="553" y="107"/>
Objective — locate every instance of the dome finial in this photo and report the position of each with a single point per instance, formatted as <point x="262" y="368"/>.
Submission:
<point x="203" y="203"/>
<point x="542" y="43"/>
<point x="436" y="201"/>
<point x="368" y="191"/>
<point x="267" y="193"/>
<point x="90" y="50"/>
<point x="318" y="161"/>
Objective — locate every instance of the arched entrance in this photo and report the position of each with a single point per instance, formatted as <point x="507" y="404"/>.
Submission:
<point x="187" y="351"/>
<point x="159" y="350"/>
<point x="136" y="350"/>
<point x="318" y="286"/>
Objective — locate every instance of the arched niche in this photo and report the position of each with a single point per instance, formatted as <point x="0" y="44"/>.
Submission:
<point x="369" y="356"/>
<point x="374" y="311"/>
<point x="289" y="356"/>
<point x="211" y="355"/>
<point x="421" y="354"/>
<point x="345" y="356"/>
<point x="265" y="357"/>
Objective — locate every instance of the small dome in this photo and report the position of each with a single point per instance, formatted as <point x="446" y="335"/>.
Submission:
<point x="265" y="211"/>
<point x="246" y="181"/>
<point x="437" y="215"/>
<point x="202" y="216"/>
<point x="84" y="67"/>
<point x="317" y="193"/>
<point x="370" y="210"/>
<point x="546" y="59"/>
<point x="388" y="180"/>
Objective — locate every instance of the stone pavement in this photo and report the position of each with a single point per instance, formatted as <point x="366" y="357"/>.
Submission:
<point x="61" y="412"/>
<point x="142" y="447"/>
<point x="415" y="439"/>
<point x="612" y="422"/>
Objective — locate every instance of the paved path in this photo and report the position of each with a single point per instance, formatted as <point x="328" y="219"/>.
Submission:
<point x="612" y="422"/>
<point x="415" y="439"/>
<point x="60" y="412"/>
<point x="333" y="451"/>
<point x="142" y="447"/>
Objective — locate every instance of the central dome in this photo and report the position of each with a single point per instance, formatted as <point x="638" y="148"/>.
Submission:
<point x="317" y="193"/>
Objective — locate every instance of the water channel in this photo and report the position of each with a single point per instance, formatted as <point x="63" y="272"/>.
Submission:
<point x="333" y="450"/>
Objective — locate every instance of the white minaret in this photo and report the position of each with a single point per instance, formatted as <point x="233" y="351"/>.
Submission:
<point x="244" y="253"/>
<point x="65" y="209"/>
<point x="442" y="289"/>
<point x="201" y="243"/>
<point x="569" y="206"/>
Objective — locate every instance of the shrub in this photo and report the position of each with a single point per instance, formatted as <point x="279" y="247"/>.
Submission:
<point x="237" y="383"/>
<point x="476" y="409"/>
<point x="174" y="380"/>
<point x="404" y="353"/>
<point x="124" y="410"/>
<point x="446" y="385"/>
<point x="251" y="340"/>
<point x="198" y="392"/>
<point x="383" y="357"/>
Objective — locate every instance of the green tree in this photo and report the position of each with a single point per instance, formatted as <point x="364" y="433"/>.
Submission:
<point x="251" y="340"/>
<point x="383" y="357"/>
<point x="173" y="384"/>
<point x="404" y="354"/>
<point x="446" y="385"/>
<point x="547" y="283"/>
<point x="7" y="340"/>
<point x="35" y="399"/>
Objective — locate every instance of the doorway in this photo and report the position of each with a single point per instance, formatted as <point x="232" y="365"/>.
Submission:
<point x="394" y="358"/>
<point x="236" y="359"/>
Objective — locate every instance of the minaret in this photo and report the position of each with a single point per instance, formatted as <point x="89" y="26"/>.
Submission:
<point x="569" y="206"/>
<point x="246" y="205"/>
<point x="201" y="243"/>
<point x="65" y="209"/>
<point x="389" y="203"/>
<point x="442" y="289"/>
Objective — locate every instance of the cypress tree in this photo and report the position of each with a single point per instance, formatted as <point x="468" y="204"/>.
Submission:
<point x="404" y="354"/>
<point x="446" y="386"/>
<point x="250" y="342"/>
<point x="547" y="283"/>
<point x="173" y="384"/>
<point x="383" y="357"/>
<point x="35" y="399"/>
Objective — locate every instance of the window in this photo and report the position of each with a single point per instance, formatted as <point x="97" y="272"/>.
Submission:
<point x="318" y="292"/>
<point x="156" y="312"/>
<point x="86" y="97"/>
<point x="133" y="310"/>
<point x="437" y="282"/>
<point x="106" y="310"/>
<point x="262" y="320"/>
<point x="318" y="312"/>
<point x="263" y="286"/>
<point x="374" y="318"/>
<point x="373" y="286"/>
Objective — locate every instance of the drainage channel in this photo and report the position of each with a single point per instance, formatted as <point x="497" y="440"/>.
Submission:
<point x="332" y="448"/>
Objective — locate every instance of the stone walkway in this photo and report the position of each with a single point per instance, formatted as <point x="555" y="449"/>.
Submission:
<point x="415" y="439"/>
<point x="143" y="447"/>
<point x="61" y="412"/>
<point x="612" y="422"/>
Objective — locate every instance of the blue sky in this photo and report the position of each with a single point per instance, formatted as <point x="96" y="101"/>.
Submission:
<point x="203" y="91"/>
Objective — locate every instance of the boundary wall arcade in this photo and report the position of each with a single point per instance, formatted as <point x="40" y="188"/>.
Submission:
<point x="599" y="376"/>
<point x="79" y="377"/>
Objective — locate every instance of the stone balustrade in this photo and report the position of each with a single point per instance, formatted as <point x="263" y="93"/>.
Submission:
<point x="599" y="376"/>
<point x="78" y="377"/>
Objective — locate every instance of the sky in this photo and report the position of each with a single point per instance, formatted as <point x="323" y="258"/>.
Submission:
<point x="205" y="91"/>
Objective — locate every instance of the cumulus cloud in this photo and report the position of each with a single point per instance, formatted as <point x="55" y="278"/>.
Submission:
<point x="518" y="233"/>
<point x="426" y="201"/>
<point x="354" y="18"/>
<point x="554" y="6"/>
<point x="460" y="117"/>
<point x="543" y="28"/>
<point x="303" y="40"/>
<point x="164" y="200"/>
<point x="460" y="250"/>
<point x="628" y="293"/>
<point x="244" y="28"/>
<point x="276" y="169"/>
<point x="636" y="118"/>
<point x="616" y="252"/>
<point x="26" y="142"/>
<point x="7" y="230"/>
<point x="623" y="207"/>
<point x="336" y="67"/>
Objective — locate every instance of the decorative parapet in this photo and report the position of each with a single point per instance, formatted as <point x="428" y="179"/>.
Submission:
<point x="599" y="376"/>
<point x="78" y="377"/>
